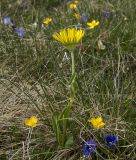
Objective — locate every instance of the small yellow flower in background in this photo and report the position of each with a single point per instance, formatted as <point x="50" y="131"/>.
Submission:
<point x="73" y="6"/>
<point x="76" y="2"/>
<point x="93" y="24"/>
<point x="97" y="122"/>
<point x="77" y="16"/>
<point x="31" y="122"/>
<point x="47" y="20"/>
<point x="69" y="37"/>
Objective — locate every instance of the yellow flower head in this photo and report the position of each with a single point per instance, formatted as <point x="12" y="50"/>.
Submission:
<point x="31" y="122"/>
<point x="97" y="122"/>
<point x="93" y="24"/>
<point x="77" y="16"/>
<point x="69" y="37"/>
<point x="73" y="6"/>
<point x="47" y="20"/>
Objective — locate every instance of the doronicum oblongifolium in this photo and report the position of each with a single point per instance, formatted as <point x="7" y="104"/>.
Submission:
<point x="69" y="37"/>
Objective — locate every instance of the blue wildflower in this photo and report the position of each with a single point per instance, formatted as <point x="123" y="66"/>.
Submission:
<point x="6" y="20"/>
<point x="20" y="32"/>
<point x="111" y="140"/>
<point x="84" y="17"/>
<point x="89" y="147"/>
<point x="106" y="14"/>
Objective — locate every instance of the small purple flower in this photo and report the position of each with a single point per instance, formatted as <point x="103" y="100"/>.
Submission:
<point x="89" y="147"/>
<point x="111" y="140"/>
<point x="106" y="14"/>
<point x="84" y="17"/>
<point x="6" y="20"/>
<point x="20" y="32"/>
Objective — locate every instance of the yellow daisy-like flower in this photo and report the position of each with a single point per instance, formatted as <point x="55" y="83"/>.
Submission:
<point x="97" y="122"/>
<point x="31" y="122"/>
<point x="69" y="37"/>
<point x="93" y="24"/>
<point x="73" y="6"/>
<point x="77" y="16"/>
<point x="47" y="20"/>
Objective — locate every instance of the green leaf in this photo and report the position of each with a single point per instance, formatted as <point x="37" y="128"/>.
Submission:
<point x="69" y="141"/>
<point x="56" y="127"/>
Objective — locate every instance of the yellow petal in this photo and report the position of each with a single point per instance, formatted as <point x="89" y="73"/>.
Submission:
<point x="99" y="119"/>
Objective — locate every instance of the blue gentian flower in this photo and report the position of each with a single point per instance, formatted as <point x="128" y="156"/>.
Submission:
<point x="6" y="20"/>
<point x="89" y="147"/>
<point x="84" y="17"/>
<point x="111" y="140"/>
<point x="20" y="32"/>
<point x="106" y="14"/>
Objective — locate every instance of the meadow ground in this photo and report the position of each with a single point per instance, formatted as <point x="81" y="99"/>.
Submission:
<point x="35" y="80"/>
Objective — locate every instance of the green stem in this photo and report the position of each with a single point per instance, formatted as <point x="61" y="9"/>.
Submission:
<point x="73" y="62"/>
<point x="65" y="114"/>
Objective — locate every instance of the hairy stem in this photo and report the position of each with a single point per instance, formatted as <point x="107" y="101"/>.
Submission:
<point x="73" y="62"/>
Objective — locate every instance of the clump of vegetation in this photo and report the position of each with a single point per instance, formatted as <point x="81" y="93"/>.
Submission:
<point x="67" y="80"/>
